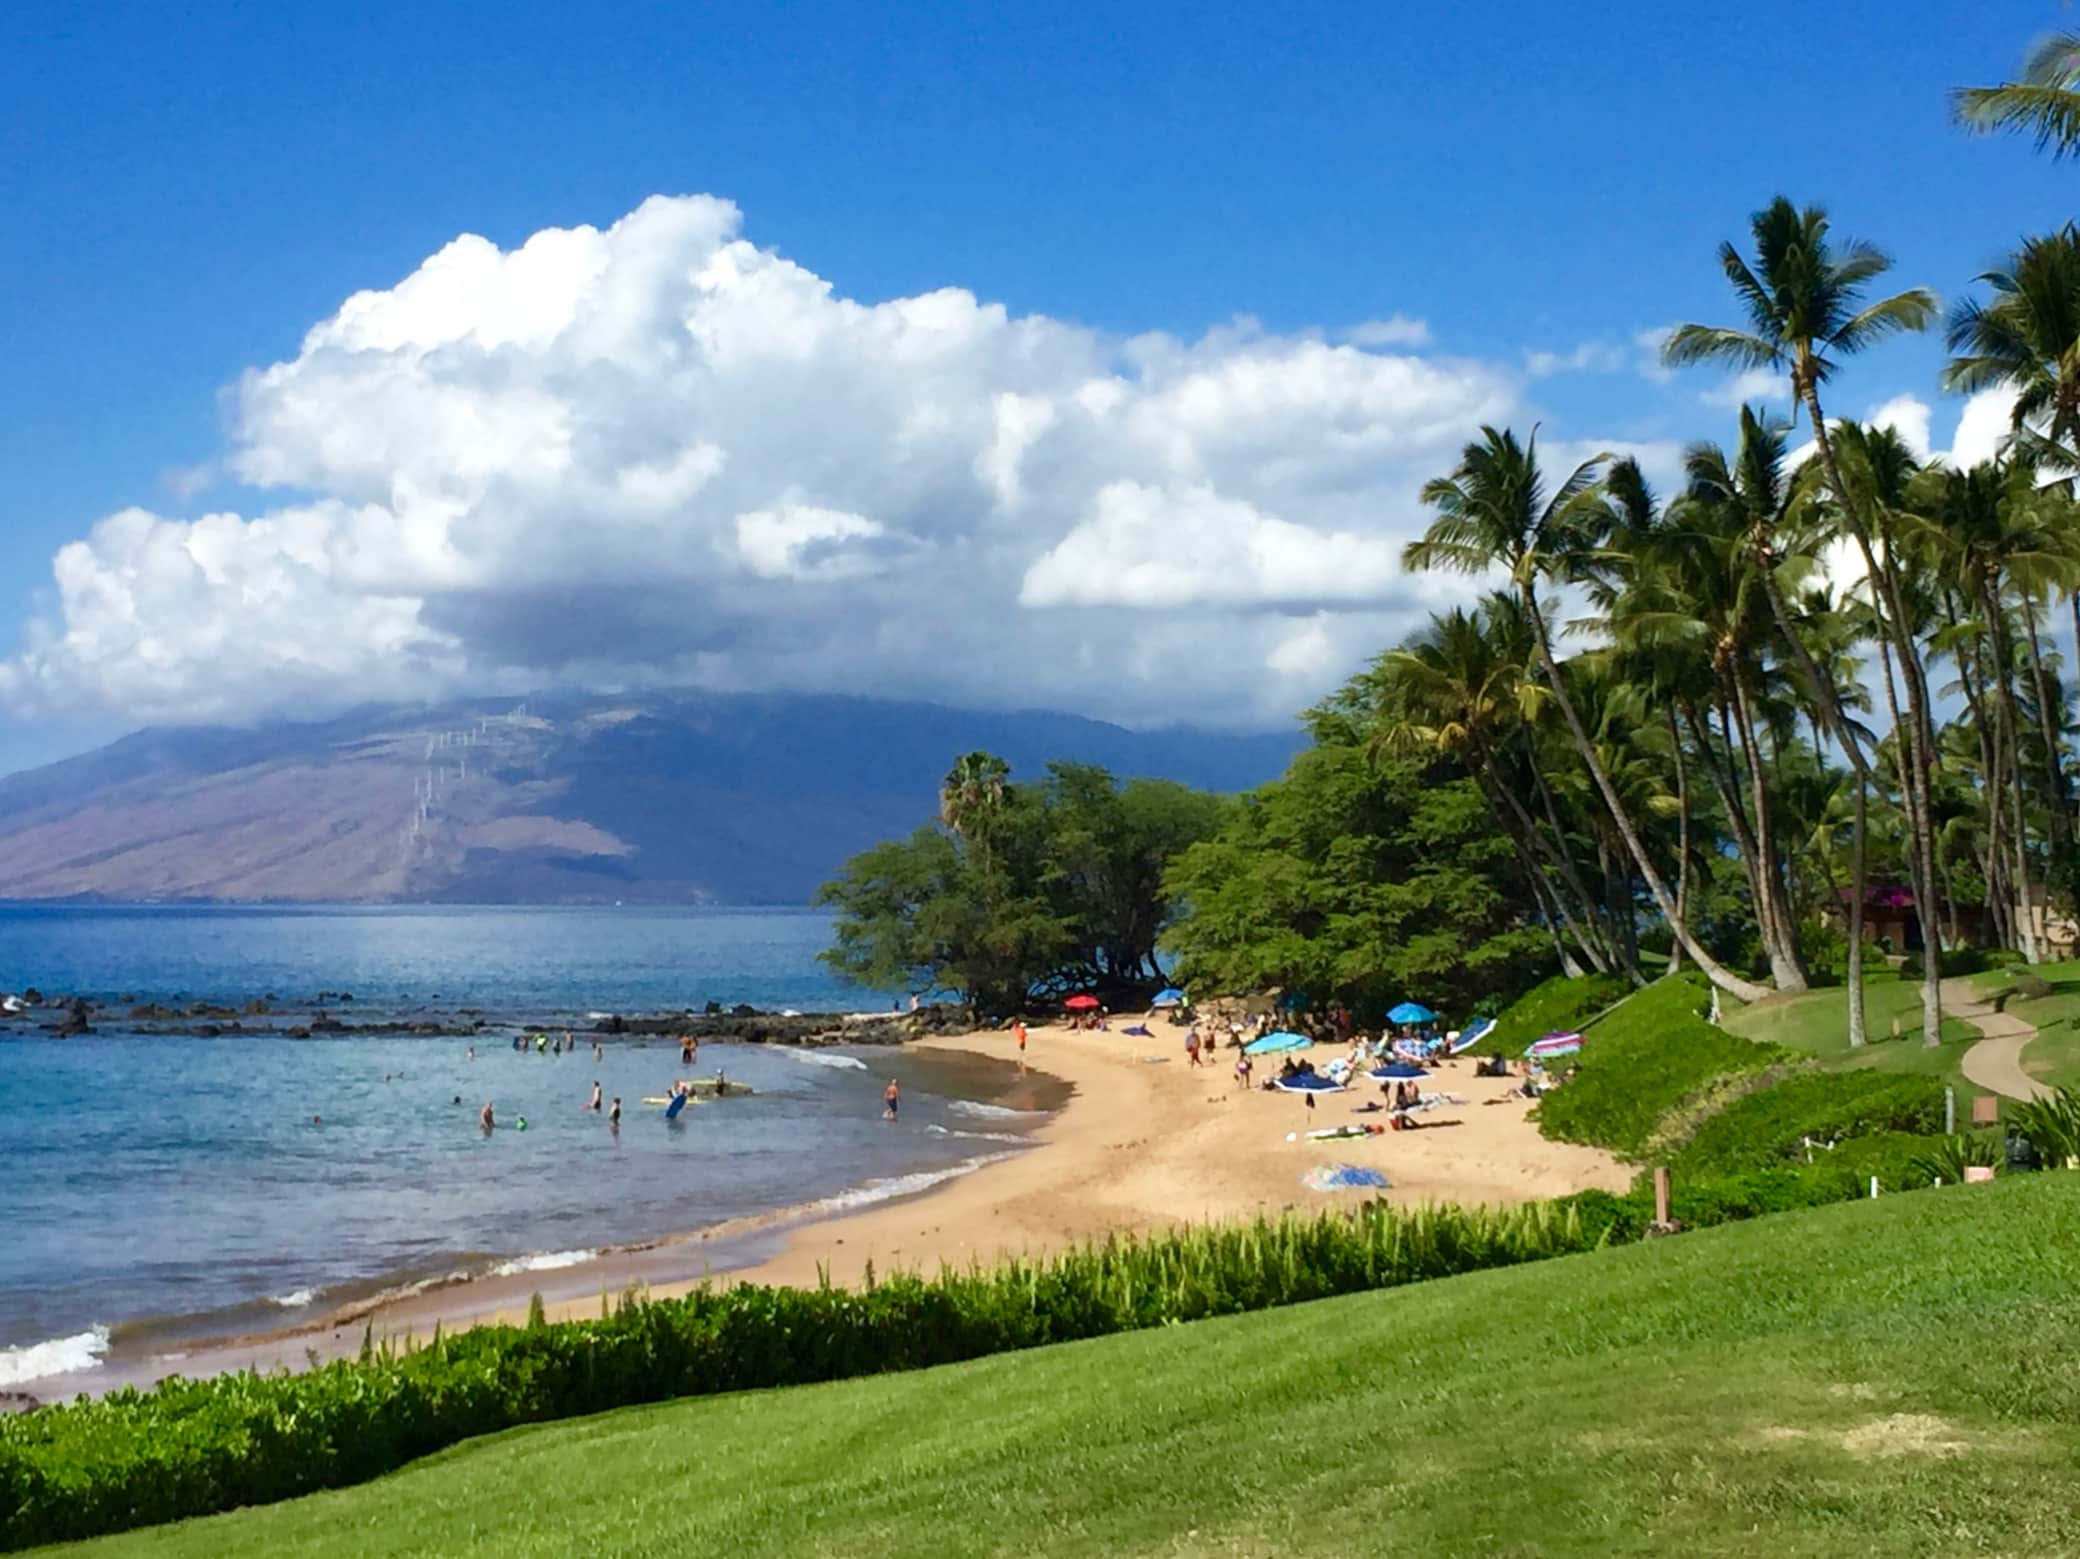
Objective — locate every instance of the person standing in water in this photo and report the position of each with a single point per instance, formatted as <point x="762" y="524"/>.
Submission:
<point x="595" y="1095"/>
<point x="891" y="1097"/>
<point x="485" y="1118"/>
<point x="614" y="1114"/>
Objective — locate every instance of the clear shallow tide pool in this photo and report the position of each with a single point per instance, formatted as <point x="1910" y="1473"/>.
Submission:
<point x="167" y="1186"/>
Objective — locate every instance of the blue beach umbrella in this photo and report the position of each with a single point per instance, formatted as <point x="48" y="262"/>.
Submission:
<point x="1399" y="1072"/>
<point x="1170" y="997"/>
<point x="1309" y="1082"/>
<point x="1411" y="1012"/>
<point x="1276" y="1041"/>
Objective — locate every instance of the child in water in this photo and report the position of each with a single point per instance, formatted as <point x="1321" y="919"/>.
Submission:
<point x="891" y="1097"/>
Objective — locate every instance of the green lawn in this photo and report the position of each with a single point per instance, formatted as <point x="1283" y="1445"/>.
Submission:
<point x="1891" y="1377"/>
<point x="1817" y="1022"/>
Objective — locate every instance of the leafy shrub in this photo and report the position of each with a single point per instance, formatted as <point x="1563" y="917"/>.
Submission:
<point x="1947" y="1158"/>
<point x="1556" y="1004"/>
<point x="1769" y="1126"/>
<point x="1642" y="1060"/>
<point x="2050" y="1126"/>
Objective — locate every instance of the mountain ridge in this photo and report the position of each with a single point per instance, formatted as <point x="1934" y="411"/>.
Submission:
<point x="558" y="798"/>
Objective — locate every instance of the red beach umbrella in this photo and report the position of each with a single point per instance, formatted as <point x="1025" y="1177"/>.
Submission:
<point x="1081" y="1003"/>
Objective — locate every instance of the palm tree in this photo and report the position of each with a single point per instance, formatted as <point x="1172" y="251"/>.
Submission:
<point x="1492" y="511"/>
<point x="2045" y="103"/>
<point x="971" y="795"/>
<point x="1455" y="690"/>
<point x="1804" y="300"/>
<point x="1688" y="596"/>
<point x="2027" y="337"/>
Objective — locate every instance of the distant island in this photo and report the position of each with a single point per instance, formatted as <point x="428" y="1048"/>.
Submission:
<point x="654" y="798"/>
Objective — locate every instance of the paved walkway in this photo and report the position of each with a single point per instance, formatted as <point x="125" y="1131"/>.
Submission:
<point x="1995" y="1063"/>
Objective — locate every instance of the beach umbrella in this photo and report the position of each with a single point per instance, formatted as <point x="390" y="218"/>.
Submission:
<point x="1309" y="1082"/>
<point x="1558" y="1044"/>
<point x="1172" y="997"/>
<point x="1475" y="1033"/>
<point x="1411" y="1012"/>
<point x="1276" y="1041"/>
<point x="1399" y="1072"/>
<point x="1343" y="1177"/>
<point x="1081" y="1003"/>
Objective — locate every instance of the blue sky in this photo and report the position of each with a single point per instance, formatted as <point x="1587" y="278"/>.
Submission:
<point x="192" y="189"/>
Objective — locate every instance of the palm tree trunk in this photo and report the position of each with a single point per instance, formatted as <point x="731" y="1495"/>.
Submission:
<point x="1727" y="783"/>
<point x="1675" y="744"/>
<point x="1857" y="890"/>
<point x="1916" y="761"/>
<point x="2055" y="801"/>
<point x="2010" y="734"/>
<point x="1516" y="822"/>
<point x="1725" y="979"/>
<point x="1611" y="937"/>
<point x="1780" y="937"/>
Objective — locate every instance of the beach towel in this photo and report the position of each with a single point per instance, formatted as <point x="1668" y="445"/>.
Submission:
<point x="1343" y="1177"/>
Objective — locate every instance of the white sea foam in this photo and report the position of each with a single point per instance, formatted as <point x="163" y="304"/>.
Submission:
<point x="825" y="1058"/>
<point x="541" y="1261"/>
<point x="295" y="1299"/>
<point x="904" y="1185"/>
<point x="992" y="1112"/>
<point x="59" y="1356"/>
<point x="974" y="1136"/>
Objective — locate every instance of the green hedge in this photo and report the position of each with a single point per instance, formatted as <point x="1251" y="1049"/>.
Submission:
<point x="1644" y="1059"/>
<point x="1768" y="1128"/>
<point x="1551" y="1006"/>
<point x="189" y="1448"/>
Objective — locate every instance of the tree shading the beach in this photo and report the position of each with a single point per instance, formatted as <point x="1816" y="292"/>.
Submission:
<point x="1019" y="889"/>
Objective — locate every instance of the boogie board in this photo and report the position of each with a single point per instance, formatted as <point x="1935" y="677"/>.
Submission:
<point x="671" y="1111"/>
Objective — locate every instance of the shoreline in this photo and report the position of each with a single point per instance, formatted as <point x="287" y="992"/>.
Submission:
<point x="1140" y="1142"/>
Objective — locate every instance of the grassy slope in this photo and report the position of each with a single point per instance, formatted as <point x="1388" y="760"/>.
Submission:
<point x="1817" y="1022"/>
<point x="1898" y="1377"/>
<point x="1557" y="1003"/>
<point x="1643" y="1059"/>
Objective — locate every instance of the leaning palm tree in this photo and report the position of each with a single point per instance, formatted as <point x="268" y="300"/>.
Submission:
<point x="1804" y="301"/>
<point x="2044" y="103"/>
<point x="1493" y="512"/>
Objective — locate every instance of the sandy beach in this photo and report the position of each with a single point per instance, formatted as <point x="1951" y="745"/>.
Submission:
<point x="1147" y="1142"/>
<point x="1144" y="1142"/>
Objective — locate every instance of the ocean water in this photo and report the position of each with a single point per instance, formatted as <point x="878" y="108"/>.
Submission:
<point x="163" y="1187"/>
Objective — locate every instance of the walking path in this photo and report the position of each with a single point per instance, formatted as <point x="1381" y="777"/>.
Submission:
<point x="1995" y="1063"/>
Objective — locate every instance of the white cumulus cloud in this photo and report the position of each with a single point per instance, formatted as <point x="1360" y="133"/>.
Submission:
<point x="656" y="452"/>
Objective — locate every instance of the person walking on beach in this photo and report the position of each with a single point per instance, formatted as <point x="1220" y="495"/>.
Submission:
<point x="891" y="1097"/>
<point x="1191" y="1047"/>
<point x="1242" y="1071"/>
<point x="1018" y="1029"/>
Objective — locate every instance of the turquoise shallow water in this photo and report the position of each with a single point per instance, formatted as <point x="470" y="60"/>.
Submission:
<point x="163" y="1186"/>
